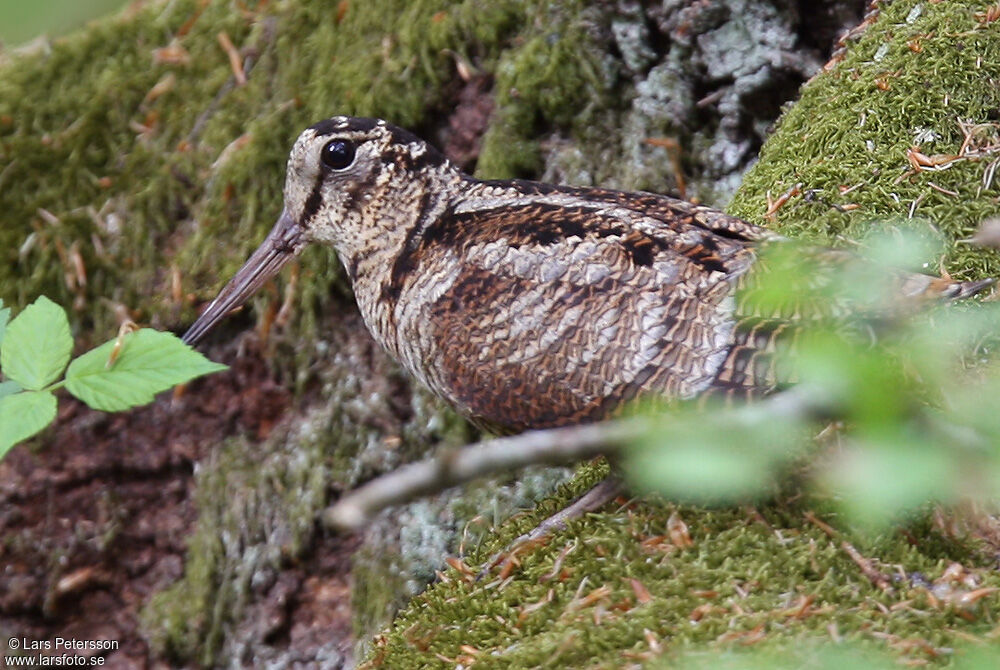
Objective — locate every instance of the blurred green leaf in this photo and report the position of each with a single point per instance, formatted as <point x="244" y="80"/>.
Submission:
<point x="906" y="244"/>
<point x="879" y="477"/>
<point x="148" y="362"/>
<point x="36" y="345"/>
<point x="977" y="658"/>
<point x="910" y="382"/>
<point x="782" y="283"/>
<point x="731" y="456"/>
<point x="23" y="415"/>
<point x="9" y="388"/>
<point x="865" y="380"/>
<point x="974" y="404"/>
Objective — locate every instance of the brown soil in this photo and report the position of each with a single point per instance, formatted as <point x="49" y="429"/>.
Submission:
<point x="95" y="519"/>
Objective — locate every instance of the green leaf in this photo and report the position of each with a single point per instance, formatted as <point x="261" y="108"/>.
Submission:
<point x="9" y="388"/>
<point x="882" y="476"/>
<point x="24" y="414"/>
<point x="37" y="345"/>
<point x="4" y="318"/>
<point x="149" y="362"/>
<point x="733" y="456"/>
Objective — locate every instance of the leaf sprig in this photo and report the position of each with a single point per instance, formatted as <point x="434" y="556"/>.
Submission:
<point x="125" y="372"/>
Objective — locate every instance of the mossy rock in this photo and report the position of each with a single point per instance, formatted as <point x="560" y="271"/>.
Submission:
<point x="898" y="130"/>
<point x="632" y="587"/>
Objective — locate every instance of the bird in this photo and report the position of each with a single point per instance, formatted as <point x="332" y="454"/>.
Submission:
<point x="529" y="305"/>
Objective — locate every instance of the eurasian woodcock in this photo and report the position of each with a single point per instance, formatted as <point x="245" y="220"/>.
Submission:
<point x="524" y="304"/>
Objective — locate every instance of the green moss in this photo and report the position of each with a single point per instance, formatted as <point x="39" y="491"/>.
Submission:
<point x="552" y="78"/>
<point x="76" y="152"/>
<point x="742" y="580"/>
<point x="908" y="82"/>
<point x="404" y="547"/>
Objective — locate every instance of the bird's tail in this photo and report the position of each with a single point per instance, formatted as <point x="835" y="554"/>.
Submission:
<point x="941" y="288"/>
<point x="760" y="355"/>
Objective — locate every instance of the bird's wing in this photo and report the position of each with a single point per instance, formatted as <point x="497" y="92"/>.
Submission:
<point x="805" y="288"/>
<point x="555" y="311"/>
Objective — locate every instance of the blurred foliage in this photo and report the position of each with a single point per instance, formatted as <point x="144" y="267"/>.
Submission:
<point x="898" y="393"/>
<point x="21" y="21"/>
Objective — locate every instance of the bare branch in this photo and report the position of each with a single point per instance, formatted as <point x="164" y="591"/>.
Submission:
<point x="452" y="467"/>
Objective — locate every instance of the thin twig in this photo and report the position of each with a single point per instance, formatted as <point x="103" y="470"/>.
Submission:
<point x="774" y="205"/>
<point x="234" y="58"/>
<point x="450" y="468"/>
<point x="941" y="189"/>
<point x="266" y="37"/>
<point x="867" y="569"/>
<point x="819" y="523"/>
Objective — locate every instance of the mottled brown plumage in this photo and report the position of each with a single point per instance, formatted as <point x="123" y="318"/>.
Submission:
<point x="529" y="305"/>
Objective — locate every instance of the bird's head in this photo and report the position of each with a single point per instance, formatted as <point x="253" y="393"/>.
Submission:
<point x="344" y="176"/>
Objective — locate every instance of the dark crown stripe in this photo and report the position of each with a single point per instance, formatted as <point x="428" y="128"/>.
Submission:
<point x="336" y="125"/>
<point x="431" y="157"/>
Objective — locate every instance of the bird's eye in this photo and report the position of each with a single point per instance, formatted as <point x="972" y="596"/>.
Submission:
<point x="338" y="154"/>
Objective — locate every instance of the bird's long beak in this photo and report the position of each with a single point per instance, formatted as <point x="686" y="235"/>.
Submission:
<point x="282" y="244"/>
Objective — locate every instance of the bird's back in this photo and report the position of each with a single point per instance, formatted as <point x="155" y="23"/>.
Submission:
<point x="528" y="305"/>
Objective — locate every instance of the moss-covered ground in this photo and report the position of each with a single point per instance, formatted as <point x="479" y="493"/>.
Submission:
<point x="650" y="580"/>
